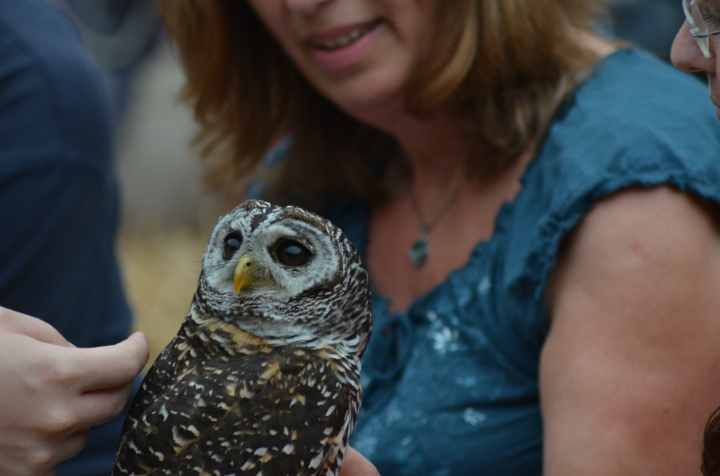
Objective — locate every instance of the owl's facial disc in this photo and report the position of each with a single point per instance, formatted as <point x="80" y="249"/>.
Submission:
<point x="271" y="255"/>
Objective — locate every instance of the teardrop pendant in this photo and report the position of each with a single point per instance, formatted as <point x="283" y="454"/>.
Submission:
<point x="419" y="251"/>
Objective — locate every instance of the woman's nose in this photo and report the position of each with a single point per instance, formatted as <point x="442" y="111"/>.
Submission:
<point x="305" y="7"/>
<point x="686" y="54"/>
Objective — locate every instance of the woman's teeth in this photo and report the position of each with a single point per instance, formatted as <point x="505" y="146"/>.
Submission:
<point x="346" y="40"/>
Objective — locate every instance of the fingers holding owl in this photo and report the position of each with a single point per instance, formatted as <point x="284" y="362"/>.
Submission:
<point x="53" y="392"/>
<point x="356" y="464"/>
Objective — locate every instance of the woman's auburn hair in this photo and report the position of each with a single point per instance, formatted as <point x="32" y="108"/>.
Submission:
<point x="500" y="68"/>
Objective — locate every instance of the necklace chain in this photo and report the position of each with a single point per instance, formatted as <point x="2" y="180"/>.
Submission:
<point x="420" y="249"/>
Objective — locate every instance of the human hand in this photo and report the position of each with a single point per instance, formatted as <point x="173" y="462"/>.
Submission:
<point x="52" y="392"/>
<point x="356" y="464"/>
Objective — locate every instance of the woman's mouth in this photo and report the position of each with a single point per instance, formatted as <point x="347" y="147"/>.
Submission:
<point x="345" y="40"/>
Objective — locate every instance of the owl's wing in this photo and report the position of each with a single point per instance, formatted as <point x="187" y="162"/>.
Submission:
<point x="280" y="413"/>
<point x="154" y="387"/>
<point x="296" y="424"/>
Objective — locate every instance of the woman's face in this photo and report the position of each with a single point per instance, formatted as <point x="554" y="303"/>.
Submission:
<point x="358" y="53"/>
<point x="687" y="56"/>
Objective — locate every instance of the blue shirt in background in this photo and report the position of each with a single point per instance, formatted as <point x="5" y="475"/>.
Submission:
<point x="58" y="194"/>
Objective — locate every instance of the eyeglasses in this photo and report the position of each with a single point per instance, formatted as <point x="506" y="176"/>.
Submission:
<point x="704" y="21"/>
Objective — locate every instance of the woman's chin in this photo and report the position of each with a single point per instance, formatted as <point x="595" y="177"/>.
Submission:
<point x="379" y="111"/>
<point x="373" y="100"/>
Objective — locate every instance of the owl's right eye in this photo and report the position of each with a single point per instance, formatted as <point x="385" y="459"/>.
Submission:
<point x="232" y="244"/>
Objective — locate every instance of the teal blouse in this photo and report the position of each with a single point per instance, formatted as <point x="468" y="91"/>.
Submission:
<point x="451" y="386"/>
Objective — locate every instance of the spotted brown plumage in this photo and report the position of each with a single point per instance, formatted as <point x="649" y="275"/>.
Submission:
<point x="263" y="376"/>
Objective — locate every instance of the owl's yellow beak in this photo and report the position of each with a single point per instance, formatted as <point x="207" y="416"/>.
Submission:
<point x="248" y="274"/>
<point x="244" y="272"/>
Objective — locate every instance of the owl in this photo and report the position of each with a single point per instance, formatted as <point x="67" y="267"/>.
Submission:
<point x="263" y="377"/>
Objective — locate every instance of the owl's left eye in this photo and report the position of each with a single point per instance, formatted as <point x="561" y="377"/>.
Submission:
<point x="291" y="253"/>
<point x="232" y="244"/>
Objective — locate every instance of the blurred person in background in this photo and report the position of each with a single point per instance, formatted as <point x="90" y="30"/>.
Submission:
<point x="650" y="24"/>
<point x="119" y="34"/>
<point x="695" y="50"/>
<point x="58" y="215"/>
<point x="536" y="207"/>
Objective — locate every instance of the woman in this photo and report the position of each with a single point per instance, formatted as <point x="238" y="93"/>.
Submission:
<point x="695" y="51"/>
<point x="538" y="232"/>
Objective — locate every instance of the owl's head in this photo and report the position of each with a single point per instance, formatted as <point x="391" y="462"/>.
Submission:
<point x="282" y="272"/>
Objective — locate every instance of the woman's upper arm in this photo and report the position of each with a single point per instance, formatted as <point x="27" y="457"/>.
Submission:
<point x="630" y="371"/>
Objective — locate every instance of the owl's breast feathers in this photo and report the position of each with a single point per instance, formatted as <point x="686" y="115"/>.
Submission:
<point x="220" y="401"/>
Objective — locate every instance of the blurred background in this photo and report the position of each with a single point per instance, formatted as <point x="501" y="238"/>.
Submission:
<point x="166" y="218"/>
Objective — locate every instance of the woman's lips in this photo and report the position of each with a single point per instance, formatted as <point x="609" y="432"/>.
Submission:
<point x="340" y="37"/>
<point x="342" y="49"/>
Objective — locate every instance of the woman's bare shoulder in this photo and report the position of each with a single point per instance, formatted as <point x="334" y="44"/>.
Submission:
<point x="628" y="372"/>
